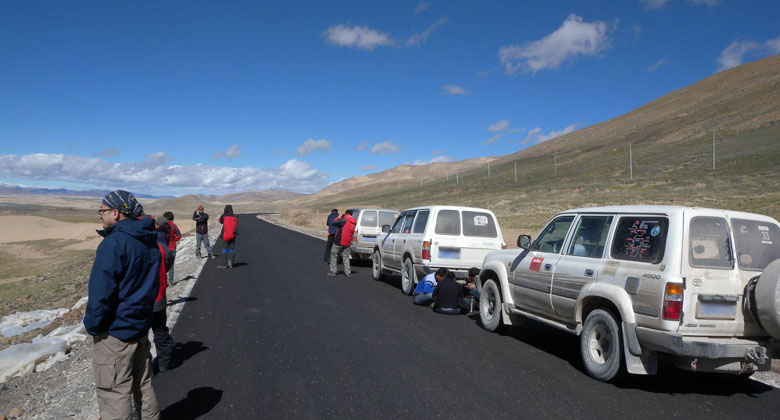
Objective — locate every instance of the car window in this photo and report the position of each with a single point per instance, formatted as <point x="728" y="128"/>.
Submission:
<point x="448" y="222"/>
<point x="479" y="224"/>
<point x="422" y="220"/>
<point x="590" y="237"/>
<point x="387" y="218"/>
<point x="369" y="218"/>
<point x="356" y="213"/>
<point x="708" y="243"/>
<point x="757" y="243"/>
<point x="551" y="238"/>
<point x="408" y="220"/>
<point x="398" y="223"/>
<point x="640" y="238"/>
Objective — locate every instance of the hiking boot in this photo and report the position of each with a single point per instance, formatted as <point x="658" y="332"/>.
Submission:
<point x="212" y="256"/>
<point x="348" y="275"/>
<point x="331" y="274"/>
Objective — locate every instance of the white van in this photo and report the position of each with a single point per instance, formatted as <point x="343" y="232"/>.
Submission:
<point x="423" y="239"/>
<point x="368" y="228"/>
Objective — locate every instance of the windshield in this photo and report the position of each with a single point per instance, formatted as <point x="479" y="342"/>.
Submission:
<point x="757" y="243"/>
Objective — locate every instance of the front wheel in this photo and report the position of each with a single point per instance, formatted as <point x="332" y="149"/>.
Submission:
<point x="376" y="265"/>
<point x="408" y="277"/>
<point x="490" y="305"/>
<point x="600" y="345"/>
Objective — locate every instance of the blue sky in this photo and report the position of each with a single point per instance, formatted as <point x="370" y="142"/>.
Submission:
<point x="214" y="97"/>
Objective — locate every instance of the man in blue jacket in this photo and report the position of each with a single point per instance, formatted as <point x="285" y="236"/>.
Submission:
<point x="332" y="230"/>
<point x="123" y="285"/>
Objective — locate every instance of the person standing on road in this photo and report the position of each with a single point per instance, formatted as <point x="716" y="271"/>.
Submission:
<point x="123" y="284"/>
<point x="332" y="230"/>
<point x="175" y="236"/>
<point x="229" y="231"/>
<point x="163" y="341"/>
<point x="341" y="241"/>
<point x="201" y="219"/>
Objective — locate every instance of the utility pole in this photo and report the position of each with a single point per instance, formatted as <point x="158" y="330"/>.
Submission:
<point x="713" y="150"/>
<point x="630" y="162"/>
<point x="488" y="169"/>
<point x="515" y="172"/>
<point x="457" y="177"/>
<point x="555" y="164"/>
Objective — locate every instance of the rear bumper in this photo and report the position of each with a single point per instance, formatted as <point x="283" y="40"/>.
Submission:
<point x="362" y="251"/>
<point x="460" y="273"/>
<point x="703" y="347"/>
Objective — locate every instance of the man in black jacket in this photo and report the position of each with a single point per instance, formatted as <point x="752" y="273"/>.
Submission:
<point x="201" y="219"/>
<point x="448" y="295"/>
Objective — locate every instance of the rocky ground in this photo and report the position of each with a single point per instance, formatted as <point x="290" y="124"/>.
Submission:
<point x="67" y="390"/>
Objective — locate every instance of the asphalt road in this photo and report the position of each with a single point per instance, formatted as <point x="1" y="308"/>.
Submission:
<point x="276" y="338"/>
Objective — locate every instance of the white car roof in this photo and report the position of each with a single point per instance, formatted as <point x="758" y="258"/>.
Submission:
<point x="461" y="208"/>
<point x="667" y="210"/>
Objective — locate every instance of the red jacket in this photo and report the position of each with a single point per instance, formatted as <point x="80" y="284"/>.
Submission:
<point x="229" y="227"/>
<point x="346" y="225"/>
<point x="163" y="277"/>
<point x="175" y="236"/>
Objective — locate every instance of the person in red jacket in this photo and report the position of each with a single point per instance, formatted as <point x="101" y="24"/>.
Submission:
<point x="175" y="235"/>
<point x="346" y="228"/>
<point x="229" y="231"/>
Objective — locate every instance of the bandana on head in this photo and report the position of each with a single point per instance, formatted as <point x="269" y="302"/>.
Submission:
<point x="125" y="202"/>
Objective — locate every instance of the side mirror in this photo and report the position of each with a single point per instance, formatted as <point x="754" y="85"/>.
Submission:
<point x="524" y="241"/>
<point x="385" y="228"/>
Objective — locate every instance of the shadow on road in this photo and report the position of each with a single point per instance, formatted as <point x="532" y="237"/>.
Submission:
<point x="182" y="300"/>
<point x="198" y="402"/>
<point x="184" y="351"/>
<point x="669" y="379"/>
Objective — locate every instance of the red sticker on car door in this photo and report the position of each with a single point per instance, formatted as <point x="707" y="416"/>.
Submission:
<point x="536" y="264"/>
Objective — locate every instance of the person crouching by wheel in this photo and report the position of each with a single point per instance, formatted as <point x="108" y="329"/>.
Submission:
<point x="229" y="231"/>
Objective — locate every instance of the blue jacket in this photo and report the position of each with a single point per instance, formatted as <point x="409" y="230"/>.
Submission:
<point x="332" y="230"/>
<point x="426" y="285"/>
<point x="124" y="280"/>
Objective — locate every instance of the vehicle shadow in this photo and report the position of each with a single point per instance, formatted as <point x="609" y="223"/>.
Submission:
<point x="669" y="379"/>
<point x="198" y="402"/>
<point x="394" y="280"/>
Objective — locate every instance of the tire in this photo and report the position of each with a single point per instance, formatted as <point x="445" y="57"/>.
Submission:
<point x="490" y="307"/>
<point x="376" y="265"/>
<point x="601" y="346"/>
<point x="408" y="277"/>
<point x="767" y="295"/>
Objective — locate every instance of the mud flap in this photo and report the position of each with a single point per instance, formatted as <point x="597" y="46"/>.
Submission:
<point x="639" y="361"/>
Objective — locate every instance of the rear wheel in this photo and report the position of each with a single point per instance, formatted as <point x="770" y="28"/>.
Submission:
<point x="490" y="306"/>
<point x="408" y="277"/>
<point x="600" y="345"/>
<point x="376" y="265"/>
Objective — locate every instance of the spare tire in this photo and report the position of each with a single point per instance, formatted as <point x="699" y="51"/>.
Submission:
<point x="768" y="299"/>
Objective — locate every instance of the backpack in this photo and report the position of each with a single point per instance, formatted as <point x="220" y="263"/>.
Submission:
<point x="230" y="224"/>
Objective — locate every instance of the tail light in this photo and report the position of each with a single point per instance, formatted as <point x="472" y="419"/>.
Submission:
<point x="503" y="245"/>
<point x="673" y="299"/>
<point x="426" y="250"/>
<point x="354" y="237"/>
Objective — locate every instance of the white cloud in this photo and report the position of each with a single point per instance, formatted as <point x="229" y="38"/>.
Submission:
<point x="435" y="159"/>
<point x="228" y="154"/>
<point x="368" y="168"/>
<point x="656" y="65"/>
<point x="311" y="145"/>
<point x="385" y="147"/>
<point x="152" y="177"/>
<point x="421" y="6"/>
<point x="110" y="152"/>
<point x="421" y="37"/>
<point x="159" y="158"/>
<point x="654" y="4"/>
<point x="708" y="3"/>
<point x="437" y="152"/>
<point x="574" y="38"/>
<point x="362" y="146"/>
<point x="361" y="37"/>
<point x="454" y="90"/>
<point x="736" y="53"/>
<point x="536" y="136"/>
<point x="502" y="125"/>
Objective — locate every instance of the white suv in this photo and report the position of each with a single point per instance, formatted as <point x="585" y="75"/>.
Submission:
<point x="424" y="239"/>
<point x="368" y="228"/>
<point x="634" y="281"/>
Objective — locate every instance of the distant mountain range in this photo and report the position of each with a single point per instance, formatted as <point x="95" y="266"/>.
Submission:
<point x="21" y="189"/>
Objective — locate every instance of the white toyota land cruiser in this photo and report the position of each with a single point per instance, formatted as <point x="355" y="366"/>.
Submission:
<point x="698" y="284"/>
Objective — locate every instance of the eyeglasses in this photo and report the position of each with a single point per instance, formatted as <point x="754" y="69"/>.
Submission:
<point x="100" y="211"/>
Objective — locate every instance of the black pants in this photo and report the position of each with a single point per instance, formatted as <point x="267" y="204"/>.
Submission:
<point x="328" y="246"/>
<point x="162" y="338"/>
<point x="230" y="251"/>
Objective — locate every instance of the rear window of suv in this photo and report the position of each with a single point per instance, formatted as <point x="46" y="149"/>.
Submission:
<point x="709" y="244"/>
<point x="369" y="218"/>
<point x="757" y="243"/>
<point x="479" y="224"/>
<point x="448" y="222"/>
<point x="387" y="218"/>
<point x="640" y="238"/>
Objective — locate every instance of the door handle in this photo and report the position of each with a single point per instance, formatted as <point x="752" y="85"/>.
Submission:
<point x="589" y="272"/>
